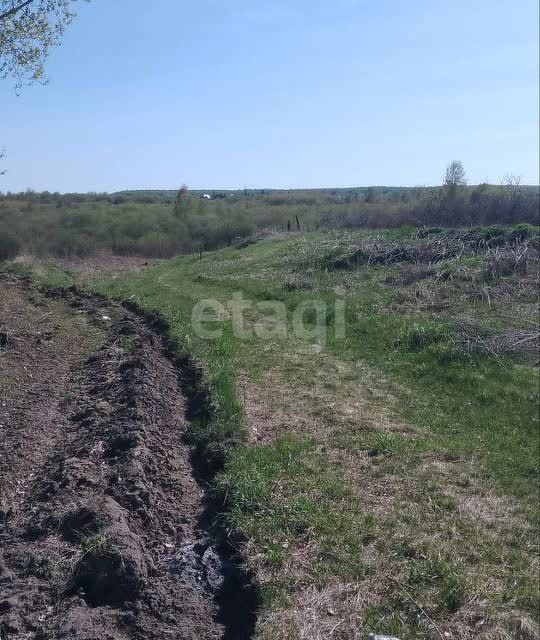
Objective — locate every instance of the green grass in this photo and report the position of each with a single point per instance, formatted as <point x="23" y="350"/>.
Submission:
<point x="373" y="493"/>
<point x="473" y="405"/>
<point x="45" y="273"/>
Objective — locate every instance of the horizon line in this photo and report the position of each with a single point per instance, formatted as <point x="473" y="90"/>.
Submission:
<point x="237" y="189"/>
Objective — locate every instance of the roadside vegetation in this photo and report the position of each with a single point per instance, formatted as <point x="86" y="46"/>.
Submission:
<point x="385" y="481"/>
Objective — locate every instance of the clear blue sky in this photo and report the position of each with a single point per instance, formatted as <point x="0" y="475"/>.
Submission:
<point x="280" y="93"/>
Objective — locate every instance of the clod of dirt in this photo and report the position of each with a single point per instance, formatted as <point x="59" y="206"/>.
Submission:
<point x="113" y="568"/>
<point x="103" y="407"/>
<point x="90" y="518"/>
<point x="5" y="512"/>
<point x="120" y="443"/>
<point x="112" y="572"/>
<point x="86" y="623"/>
<point x="5" y="573"/>
<point x="76" y="473"/>
<point x="79" y="524"/>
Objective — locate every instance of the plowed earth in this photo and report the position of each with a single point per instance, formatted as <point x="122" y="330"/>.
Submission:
<point x="103" y="533"/>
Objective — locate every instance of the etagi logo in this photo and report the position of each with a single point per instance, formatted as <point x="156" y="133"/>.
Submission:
<point x="307" y="322"/>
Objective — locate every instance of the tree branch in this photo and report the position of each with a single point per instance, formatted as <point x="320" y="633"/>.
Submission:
<point x="15" y="9"/>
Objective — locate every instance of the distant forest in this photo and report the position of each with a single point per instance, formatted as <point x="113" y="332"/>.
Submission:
<point x="163" y="223"/>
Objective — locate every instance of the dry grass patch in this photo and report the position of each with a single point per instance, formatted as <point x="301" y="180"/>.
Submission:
<point x="331" y="613"/>
<point x="439" y="557"/>
<point x="316" y="395"/>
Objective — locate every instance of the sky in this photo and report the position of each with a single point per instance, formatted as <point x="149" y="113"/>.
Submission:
<point x="279" y="94"/>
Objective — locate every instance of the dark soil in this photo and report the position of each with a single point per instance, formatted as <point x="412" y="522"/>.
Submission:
<point x="104" y="530"/>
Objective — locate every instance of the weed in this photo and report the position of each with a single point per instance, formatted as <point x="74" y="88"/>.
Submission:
<point x="95" y="545"/>
<point x="68" y="399"/>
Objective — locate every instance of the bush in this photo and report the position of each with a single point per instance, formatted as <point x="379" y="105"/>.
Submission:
<point x="429" y="231"/>
<point x="494" y="235"/>
<point x="521" y="232"/>
<point x="418" y="338"/>
<point x="9" y="247"/>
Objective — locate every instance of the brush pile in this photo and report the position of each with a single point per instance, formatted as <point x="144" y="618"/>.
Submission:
<point x="388" y="253"/>
<point x="471" y="337"/>
<point x="503" y="258"/>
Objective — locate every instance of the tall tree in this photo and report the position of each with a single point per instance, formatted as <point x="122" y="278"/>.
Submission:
<point x="455" y="178"/>
<point x="371" y="195"/>
<point x="182" y="203"/>
<point x="28" y="30"/>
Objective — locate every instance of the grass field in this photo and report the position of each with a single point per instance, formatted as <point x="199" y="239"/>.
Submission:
<point x="385" y="477"/>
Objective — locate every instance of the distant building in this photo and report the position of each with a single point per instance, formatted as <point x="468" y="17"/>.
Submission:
<point x="214" y="196"/>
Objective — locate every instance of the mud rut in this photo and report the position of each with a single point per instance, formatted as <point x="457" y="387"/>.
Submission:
<point x="113" y="538"/>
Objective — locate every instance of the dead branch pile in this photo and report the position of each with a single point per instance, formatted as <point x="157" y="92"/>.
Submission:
<point x="507" y="260"/>
<point x="471" y="337"/>
<point x="391" y="253"/>
<point x="411" y="274"/>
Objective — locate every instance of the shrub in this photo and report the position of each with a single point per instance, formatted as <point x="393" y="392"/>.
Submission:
<point x="9" y="247"/>
<point x="521" y="232"/>
<point x="429" y="231"/>
<point x="505" y="262"/>
<point x="494" y="236"/>
<point x="418" y="337"/>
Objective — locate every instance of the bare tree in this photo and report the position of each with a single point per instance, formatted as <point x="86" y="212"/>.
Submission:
<point x="511" y="182"/>
<point x="2" y="155"/>
<point x="28" y="30"/>
<point x="512" y="185"/>
<point x="455" y="174"/>
<point x="454" y="178"/>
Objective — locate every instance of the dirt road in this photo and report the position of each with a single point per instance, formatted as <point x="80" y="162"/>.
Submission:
<point x="104" y="531"/>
